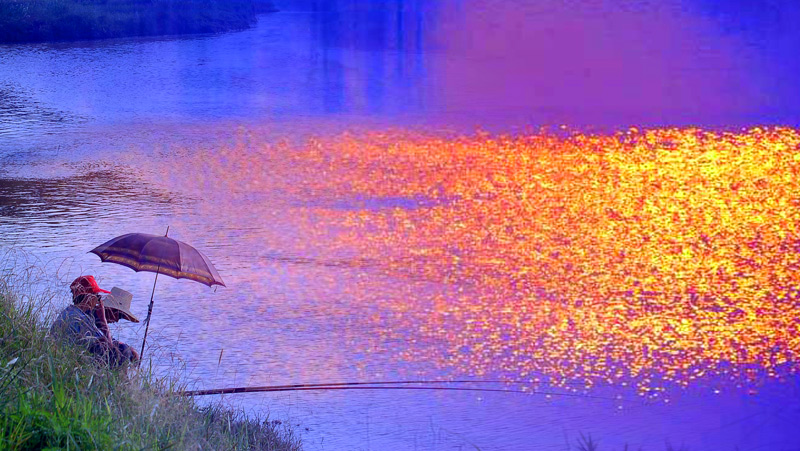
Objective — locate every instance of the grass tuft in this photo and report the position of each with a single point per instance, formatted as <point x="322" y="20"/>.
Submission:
<point x="587" y="443"/>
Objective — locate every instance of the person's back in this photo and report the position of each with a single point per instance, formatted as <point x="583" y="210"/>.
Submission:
<point x="85" y="323"/>
<point x="79" y="328"/>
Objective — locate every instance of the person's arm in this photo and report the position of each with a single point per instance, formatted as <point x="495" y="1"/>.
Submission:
<point x="96" y="332"/>
<point x="84" y="325"/>
<point x="100" y="320"/>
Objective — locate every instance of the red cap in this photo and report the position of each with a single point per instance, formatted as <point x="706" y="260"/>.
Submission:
<point x="86" y="285"/>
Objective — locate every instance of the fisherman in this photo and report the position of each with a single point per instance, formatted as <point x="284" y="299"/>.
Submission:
<point x="85" y="322"/>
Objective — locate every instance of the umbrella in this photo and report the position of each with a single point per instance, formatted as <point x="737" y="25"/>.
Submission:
<point x="161" y="255"/>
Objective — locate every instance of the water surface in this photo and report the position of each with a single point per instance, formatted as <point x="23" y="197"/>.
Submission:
<point x="321" y="159"/>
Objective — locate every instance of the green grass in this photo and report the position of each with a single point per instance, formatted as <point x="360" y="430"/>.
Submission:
<point x="66" y="20"/>
<point x="53" y="396"/>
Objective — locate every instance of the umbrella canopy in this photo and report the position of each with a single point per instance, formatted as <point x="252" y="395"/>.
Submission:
<point x="159" y="254"/>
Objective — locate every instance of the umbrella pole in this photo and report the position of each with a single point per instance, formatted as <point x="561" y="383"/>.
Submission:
<point x="150" y="310"/>
<point x="147" y="321"/>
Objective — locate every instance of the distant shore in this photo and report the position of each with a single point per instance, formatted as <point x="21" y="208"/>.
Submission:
<point x="71" y="20"/>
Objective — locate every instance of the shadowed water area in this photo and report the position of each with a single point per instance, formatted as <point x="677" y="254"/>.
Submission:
<point x="596" y="202"/>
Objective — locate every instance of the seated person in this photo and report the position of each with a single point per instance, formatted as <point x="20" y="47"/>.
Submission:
<point x="85" y="323"/>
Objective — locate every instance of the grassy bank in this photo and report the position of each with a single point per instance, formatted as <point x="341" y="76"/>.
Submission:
<point x="66" y="20"/>
<point x="53" y="396"/>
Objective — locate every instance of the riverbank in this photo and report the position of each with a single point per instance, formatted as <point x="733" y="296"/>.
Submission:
<point x="70" y="20"/>
<point x="52" y="396"/>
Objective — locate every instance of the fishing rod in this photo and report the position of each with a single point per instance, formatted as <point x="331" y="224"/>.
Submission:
<point x="338" y="384"/>
<point x="381" y="385"/>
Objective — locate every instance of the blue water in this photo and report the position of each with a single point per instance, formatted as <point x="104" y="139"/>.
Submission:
<point x="94" y="135"/>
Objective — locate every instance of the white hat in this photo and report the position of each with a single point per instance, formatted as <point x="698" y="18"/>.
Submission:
<point x="120" y="300"/>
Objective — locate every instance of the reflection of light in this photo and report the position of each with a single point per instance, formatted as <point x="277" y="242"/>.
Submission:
<point x="656" y="255"/>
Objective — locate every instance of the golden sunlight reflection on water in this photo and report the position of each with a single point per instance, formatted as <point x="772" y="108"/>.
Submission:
<point x="647" y="257"/>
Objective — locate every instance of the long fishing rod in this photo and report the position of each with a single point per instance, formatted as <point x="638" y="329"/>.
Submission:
<point x="340" y="384"/>
<point x="334" y="384"/>
<point x="371" y="386"/>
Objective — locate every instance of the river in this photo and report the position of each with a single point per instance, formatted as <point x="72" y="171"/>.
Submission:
<point x="334" y="162"/>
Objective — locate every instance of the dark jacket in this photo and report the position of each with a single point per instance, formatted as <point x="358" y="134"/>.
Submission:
<point x="79" y="328"/>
